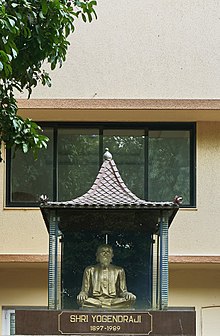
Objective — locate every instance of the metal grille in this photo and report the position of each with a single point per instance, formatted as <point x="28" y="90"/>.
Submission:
<point x="164" y="263"/>
<point x="155" y="273"/>
<point x="12" y="323"/>
<point x="52" y="273"/>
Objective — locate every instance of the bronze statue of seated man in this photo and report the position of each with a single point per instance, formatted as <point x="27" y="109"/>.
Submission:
<point x="104" y="284"/>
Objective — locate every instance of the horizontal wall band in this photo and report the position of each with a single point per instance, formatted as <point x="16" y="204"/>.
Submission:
<point x="43" y="258"/>
<point x="134" y="104"/>
<point x="23" y="258"/>
<point x="194" y="259"/>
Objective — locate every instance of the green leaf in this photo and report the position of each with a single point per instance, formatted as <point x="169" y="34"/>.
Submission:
<point x="12" y="22"/>
<point x="19" y="16"/>
<point x="90" y="17"/>
<point x="53" y="65"/>
<point x="7" y="69"/>
<point x="14" y="52"/>
<point x="25" y="147"/>
<point x="83" y="17"/>
<point x="9" y="57"/>
<point x="44" y="7"/>
<point x="3" y="56"/>
<point x="41" y="15"/>
<point x="5" y="39"/>
<point x="27" y="32"/>
<point x="15" y="124"/>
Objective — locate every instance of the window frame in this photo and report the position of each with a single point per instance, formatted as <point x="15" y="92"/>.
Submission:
<point x="101" y="126"/>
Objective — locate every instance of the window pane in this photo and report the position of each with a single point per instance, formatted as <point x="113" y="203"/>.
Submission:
<point x="169" y="165"/>
<point x="127" y="148"/>
<point x="31" y="178"/>
<point x="78" y="161"/>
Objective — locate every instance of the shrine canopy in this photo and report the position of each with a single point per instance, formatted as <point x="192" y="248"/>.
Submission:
<point x="108" y="206"/>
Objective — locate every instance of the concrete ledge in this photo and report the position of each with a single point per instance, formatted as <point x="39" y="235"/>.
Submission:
<point x="194" y="259"/>
<point x="43" y="258"/>
<point x="134" y="104"/>
<point x="23" y="258"/>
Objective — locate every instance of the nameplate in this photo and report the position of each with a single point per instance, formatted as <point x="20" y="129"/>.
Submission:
<point x="105" y="323"/>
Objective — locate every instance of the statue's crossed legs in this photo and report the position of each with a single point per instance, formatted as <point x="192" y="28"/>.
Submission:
<point x="106" y="302"/>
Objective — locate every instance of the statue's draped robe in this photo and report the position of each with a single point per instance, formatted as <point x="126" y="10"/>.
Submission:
<point x="105" y="287"/>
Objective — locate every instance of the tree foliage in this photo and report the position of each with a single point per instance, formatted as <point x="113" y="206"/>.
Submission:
<point x="32" y="32"/>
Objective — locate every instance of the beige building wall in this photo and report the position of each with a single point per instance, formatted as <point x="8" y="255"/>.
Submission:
<point x="197" y="287"/>
<point x="197" y="231"/>
<point x="143" y="49"/>
<point x="22" y="286"/>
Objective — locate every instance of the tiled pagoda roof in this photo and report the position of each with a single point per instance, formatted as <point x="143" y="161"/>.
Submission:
<point x="108" y="190"/>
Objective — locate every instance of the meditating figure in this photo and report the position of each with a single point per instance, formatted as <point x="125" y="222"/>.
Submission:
<point x="104" y="284"/>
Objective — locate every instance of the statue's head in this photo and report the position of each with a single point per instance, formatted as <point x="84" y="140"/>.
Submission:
<point x="104" y="255"/>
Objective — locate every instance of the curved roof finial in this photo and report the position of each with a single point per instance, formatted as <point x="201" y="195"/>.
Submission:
<point x="107" y="155"/>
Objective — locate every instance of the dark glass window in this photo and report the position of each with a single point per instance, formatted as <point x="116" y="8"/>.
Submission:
<point x="156" y="161"/>
<point x="169" y="164"/>
<point x="128" y="149"/>
<point x="30" y="178"/>
<point x="78" y="161"/>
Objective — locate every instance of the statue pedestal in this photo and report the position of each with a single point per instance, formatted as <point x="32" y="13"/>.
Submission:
<point x="172" y="322"/>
